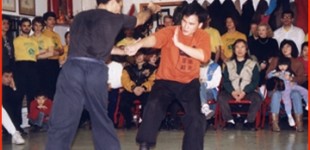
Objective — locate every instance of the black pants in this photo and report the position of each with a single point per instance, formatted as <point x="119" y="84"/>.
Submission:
<point x="254" y="97"/>
<point x="48" y="71"/>
<point x="126" y="104"/>
<point x="162" y="94"/>
<point x="12" y="103"/>
<point x="27" y="80"/>
<point x="113" y="98"/>
<point x="81" y="83"/>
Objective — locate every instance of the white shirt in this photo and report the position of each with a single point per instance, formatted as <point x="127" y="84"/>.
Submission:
<point x="114" y="74"/>
<point x="294" y="33"/>
<point x="216" y="77"/>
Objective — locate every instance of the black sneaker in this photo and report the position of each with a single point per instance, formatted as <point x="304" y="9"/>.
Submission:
<point x="22" y="132"/>
<point x="249" y="126"/>
<point x="144" y="146"/>
<point x="229" y="126"/>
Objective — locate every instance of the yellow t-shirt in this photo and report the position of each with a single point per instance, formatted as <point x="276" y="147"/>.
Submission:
<point x="44" y="42"/>
<point x="26" y="49"/>
<point x="56" y="40"/>
<point x="215" y="38"/>
<point x="126" y="41"/>
<point x="64" y="56"/>
<point x="228" y="40"/>
<point x="306" y="38"/>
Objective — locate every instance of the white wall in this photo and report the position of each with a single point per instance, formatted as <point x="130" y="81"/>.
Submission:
<point x="41" y="8"/>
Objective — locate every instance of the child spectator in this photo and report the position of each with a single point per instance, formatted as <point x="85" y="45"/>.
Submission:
<point x="284" y="72"/>
<point x="40" y="109"/>
<point x="210" y="78"/>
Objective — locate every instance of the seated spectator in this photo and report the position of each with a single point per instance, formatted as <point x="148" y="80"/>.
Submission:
<point x="304" y="60"/>
<point x="12" y="99"/>
<point x="289" y="50"/>
<point x="137" y="80"/>
<point x="210" y="78"/>
<point x="285" y="73"/>
<point x="263" y="49"/>
<point x="153" y="58"/>
<point x="240" y="79"/>
<point x="40" y="109"/>
<point x="229" y="38"/>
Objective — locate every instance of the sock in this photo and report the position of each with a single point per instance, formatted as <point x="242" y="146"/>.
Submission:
<point x="231" y="121"/>
<point x="289" y="116"/>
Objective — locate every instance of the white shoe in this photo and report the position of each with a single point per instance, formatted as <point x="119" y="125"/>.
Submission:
<point x="291" y="121"/>
<point x="207" y="111"/>
<point x="306" y="108"/>
<point x="17" y="138"/>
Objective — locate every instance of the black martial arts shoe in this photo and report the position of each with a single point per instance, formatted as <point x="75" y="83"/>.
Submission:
<point x="144" y="146"/>
<point x="249" y="126"/>
<point x="229" y="126"/>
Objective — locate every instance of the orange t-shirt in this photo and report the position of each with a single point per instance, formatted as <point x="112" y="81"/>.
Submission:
<point x="175" y="65"/>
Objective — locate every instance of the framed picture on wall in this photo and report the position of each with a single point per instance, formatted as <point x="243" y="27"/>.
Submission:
<point x="27" y="7"/>
<point x="9" y="5"/>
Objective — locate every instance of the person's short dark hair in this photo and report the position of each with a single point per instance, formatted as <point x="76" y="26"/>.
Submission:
<point x="66" y="34"/>
<point x="104" y="1"/>
<point x="41" y="93"/>
<point x="294" y="52"/>
<point x="177" y="14"/>
<point x="4" y="17"/>
<point x="7" y="70"/>
<point x="234" y="19"/>
<point x="24" y="20"/>
<point x="37" y="20"/>
<point x="49" y="14"/>
<point x="287" y="12"/>
<point x="195" y="8"/>
<point x="234" y="56"/>
<point x="304" y="44"/>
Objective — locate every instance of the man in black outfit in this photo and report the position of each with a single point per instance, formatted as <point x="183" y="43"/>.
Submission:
<point x="82" y="81"/>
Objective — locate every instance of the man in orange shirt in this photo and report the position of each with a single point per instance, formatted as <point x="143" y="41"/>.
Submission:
<point x="183" y="48"/>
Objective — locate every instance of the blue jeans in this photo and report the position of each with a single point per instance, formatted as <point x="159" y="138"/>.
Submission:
<point x="38" y="121"/>
<point x="276" y="98"/>
<point x="205" y="95"/>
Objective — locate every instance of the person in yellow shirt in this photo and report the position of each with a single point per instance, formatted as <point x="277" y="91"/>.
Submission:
<point x="229" y="38"/>
<point x="129" y="39"/>
<point x="52" y="62"/>
<point x="46" y="50"/>
<point x="64" y="56"/>
<point x="215" y="38"/>
<point x="26" y="53"/>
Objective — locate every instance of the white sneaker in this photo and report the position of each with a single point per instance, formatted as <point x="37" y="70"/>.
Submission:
<point x="17" y="138"/>
<point x="306" y="108"/>
<point x="291" y="121"/>
<point x="207" y="111"/>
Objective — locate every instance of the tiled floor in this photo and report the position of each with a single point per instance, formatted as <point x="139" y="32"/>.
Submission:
<point x="171" y="140"/>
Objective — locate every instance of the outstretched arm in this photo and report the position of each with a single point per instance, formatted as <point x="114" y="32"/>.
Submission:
<point x="147" y="42"/>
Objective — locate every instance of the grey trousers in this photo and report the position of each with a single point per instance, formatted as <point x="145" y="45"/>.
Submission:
<point x="254" y="97"/>
<point x="82" y="83"/>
